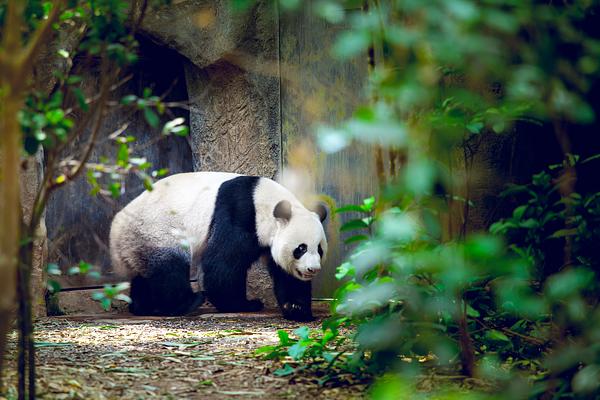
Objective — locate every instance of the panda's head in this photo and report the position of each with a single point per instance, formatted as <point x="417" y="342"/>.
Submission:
<point x="299" y="245"/>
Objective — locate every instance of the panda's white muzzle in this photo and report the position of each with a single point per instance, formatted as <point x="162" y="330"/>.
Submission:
<point x="311" y="266"/>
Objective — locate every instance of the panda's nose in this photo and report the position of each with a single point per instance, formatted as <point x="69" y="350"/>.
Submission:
<point x="313" y="269"/>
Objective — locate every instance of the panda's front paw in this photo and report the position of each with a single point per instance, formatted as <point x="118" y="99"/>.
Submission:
<point x="297" y="312"/>
<point x="254" y="305"/>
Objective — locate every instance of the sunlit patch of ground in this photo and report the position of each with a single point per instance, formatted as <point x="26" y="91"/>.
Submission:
<point x="207" y="357"/>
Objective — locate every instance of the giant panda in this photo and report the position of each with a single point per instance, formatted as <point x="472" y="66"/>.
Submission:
<point x="221" y="222"/>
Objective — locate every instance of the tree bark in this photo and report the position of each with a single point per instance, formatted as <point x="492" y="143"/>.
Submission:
<point x="15" y="73"/>
<point x="467" y="353"/>
<point x="10" y="151"/>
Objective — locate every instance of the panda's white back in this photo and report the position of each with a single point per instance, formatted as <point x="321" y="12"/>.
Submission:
<point x="178" y="211"/>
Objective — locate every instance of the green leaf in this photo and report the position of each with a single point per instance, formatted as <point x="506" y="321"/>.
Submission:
<point x="297" y="350"/>
<point x="587" y="380"/>
<point x="151" y="117"/>
<point x="475" y="127"/>
<point x="123" y="297"/>
<point x="471" y="312"/>
<point x="285" y="371"/>
<point x="53" y="269"/>
<point x="105" y="303"/>
<point x="330" y="11"/>
<point x="568" y="283"/>
<point x="84" y="267"/>
<point x="97" y="296"/>
<point x="119" y="287"/>
<point x="563" y="233"/>
<point x="519" y="212"/>
<point x="302" y="332"/>
<point x="351" y="43"/>
<point x="353" y="224"/>
<point x="94" y="275"/>
<point x="55" y="116"/>
<point x="356" y="239"/>
<point x="499" y="127"/>
<point x="266" y="349"/>
<point x="129" y="99"/>
<point x="350" y="208"/>
<point x="181" y="130"/>
<point x="529" y="224"/>
<point x="80" y="97"/>
<point x="115" y="189"/>
<point x="284" y="338"/>
<point x="74" y="79"/>
<point x="123" y="154"/>
<point x="147" y="182"/>
<point x="73" y="270"/>
<point x="53" y="286"/>
<point x="173" y="125"/>
<point x="497" y="335"/>
<point x="332" y="140"/>
<point x="160" y="172"/>
<point x="344" y="270"/>
<point x="368" y="204"/>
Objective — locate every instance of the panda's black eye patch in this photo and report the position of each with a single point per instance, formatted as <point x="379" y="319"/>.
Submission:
<point x="320" y="250"/>
<point x="300" y="250"/>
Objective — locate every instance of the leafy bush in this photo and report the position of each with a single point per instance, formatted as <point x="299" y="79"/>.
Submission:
<point x="487" y="305"/>
<point x="517" y="306"/>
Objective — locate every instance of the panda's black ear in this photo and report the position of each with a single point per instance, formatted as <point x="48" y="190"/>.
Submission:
<point x="283" y="210"/>
<point x="321" y="211"/>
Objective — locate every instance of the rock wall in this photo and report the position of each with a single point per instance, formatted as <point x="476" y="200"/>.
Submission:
<point x="234" y="112"/>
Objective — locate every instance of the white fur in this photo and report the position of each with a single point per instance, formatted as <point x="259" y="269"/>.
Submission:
<point x="284" y="236"/>
<point x="179" y="210"/>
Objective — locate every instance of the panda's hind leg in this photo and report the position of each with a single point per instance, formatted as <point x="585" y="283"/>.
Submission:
<point x="165" y="289"/>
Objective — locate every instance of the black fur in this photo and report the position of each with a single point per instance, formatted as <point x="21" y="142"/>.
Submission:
<point x="293" y="295"/>
<point x="232" y="246"/>
<point x="165" y="290"/>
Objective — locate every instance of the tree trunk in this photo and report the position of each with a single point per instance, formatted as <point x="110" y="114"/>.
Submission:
<point x="10" y="156"/>
<point x="467" y="353"/>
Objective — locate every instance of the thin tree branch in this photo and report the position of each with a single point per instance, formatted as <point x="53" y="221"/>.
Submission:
<point x="104" y="91"/>
<point x="138" y="22"/>
<point x="39" y="37"/>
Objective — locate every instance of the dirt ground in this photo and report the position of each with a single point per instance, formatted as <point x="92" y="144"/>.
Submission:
<point x="209" y="356"/>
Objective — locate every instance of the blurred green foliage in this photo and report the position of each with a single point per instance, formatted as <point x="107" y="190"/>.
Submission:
<point x="517" y="307"/>
<point x="47" y="119"/>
